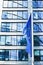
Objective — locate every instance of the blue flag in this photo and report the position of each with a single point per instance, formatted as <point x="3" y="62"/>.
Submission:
<point x="27" y="31"/>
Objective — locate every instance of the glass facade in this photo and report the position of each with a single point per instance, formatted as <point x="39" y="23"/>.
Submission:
<point x="37" y="27"/>
<point x="37" y="15"/>
<point x="13" y="40"/>
<point x="11" y="55"/>
<point x="19" y="15"/>
<point x="38" y="55"/>
<point x="12" y="27"/>
<point x="37" y="4"/>
<point x="14" y="11"/>
<point x="15" y="3"/>
<point x="38" y="40"/>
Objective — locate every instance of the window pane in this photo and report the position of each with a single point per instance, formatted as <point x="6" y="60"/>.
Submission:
<point x="20" y="4"/>
<point x="25" y="3"/>
<point x="14" y="15"/>
<point x="8" y="27"/>
<point x="4" y="15"/>
<point x="36" y="52"/>
<point x="2" y="40"/>
<point x="10" y="3"/>
<point x="19" y="27"/>
<point x="9" y="15"/>
<point x="5" y="3"/>
<point x="19" y="38"/>
<point x="13" y="40"/>
<point x="38" y="27"/>
<point x="25" y="15"/>
<point x="37" y="4"/>
<point x="14" y="3"/>
<point x="41" y="58"/>
<point x="3" y="27"/>
<point x="38" y="40"/>
<point x="13" y="55"/>
<point x="19" y="15"/>
<point x="41" y="52"/>
<point x="22" y="55"/>
<point x="8" y="40"/>
<point x="14" y="27"/>
<point x="35" y="15"/>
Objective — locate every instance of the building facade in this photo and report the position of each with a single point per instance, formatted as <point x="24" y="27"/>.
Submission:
<point x="14" y="15"/>
<point x="38" y="32"/>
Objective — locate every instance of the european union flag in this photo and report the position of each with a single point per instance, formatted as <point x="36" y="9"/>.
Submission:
<point x="27" y="31"/>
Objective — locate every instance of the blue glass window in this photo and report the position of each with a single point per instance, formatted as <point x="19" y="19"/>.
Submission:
<point x="25" y="15"/>
<point x="19" y="15"/>
<point x="19" y="4"/>
<point x="10" y="3"/>
<point x="19" y="27"/>
<point x="25" y="3"/>
<point x="2" y="40"/>
<point x="8" y="40"/>
<point x="38" y="27"/>
<point x="14" y="3"/>
<point x="14" y="40"/>
<point x="15" y="15"/>
<point x="37" y="4"/>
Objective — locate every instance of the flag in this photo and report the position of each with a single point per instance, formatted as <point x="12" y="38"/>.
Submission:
<point x="27" y="31"/>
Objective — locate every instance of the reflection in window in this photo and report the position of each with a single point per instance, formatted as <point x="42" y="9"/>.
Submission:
<point x="38" y="27"/>
<point x="36" y="55"/>
<point x="2" y="40"/>
<point x="13" y="55"/>
<point x="16" y="4"/>
<point x="37" y="15"/>
<point x="36" y="52"/>
<point x="38" y="40"/>
<point x="18" y="55"/>
<point x="10" y="3"/>
<point x="19" y="27"/>
<point x="37" y="4"/>
<point x="13" y="40"/>
<point x="8" y="40"/>
<point x="12" y="27"/>
<point x="4" y="15"/>
<point x="15" y="15"/>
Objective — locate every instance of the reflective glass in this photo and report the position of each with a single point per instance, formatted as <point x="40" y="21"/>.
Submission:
<point x="19" y="15"/>
<point x="14" y="3"/>
<point x="13" y="40"/>
<point x="19" y="27"/>
<point x="10" y="3"/>
<point x="38" y="40"/>
<point x="3" y="27"/>
<point x="4" y="15"/>
<point x="36" y="52"/>
<point x="38" y="27"/>
<point x="19" y="4"/>
<point x="14" y="15"/>
<point x="25" y="15"/>
<point x="12" y="55"/>
<point x="8" y="40"/>
<point x="37" y="4"/>
<point x="9" y="15"/>
<point x="2" y="40"/>
<point x="5" y="3"/>
<point x="25" y="3"/>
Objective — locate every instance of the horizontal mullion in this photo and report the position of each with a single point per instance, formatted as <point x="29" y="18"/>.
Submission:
<point x="13" y="9"/>
<point x="38" y="33"/>
<point x="11" y="33"/>
<point x="12" y="47"/>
